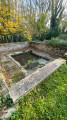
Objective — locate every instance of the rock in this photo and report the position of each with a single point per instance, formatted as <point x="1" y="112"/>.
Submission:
<point x="32" y="65"/>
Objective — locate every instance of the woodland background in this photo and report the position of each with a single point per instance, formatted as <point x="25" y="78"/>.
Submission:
<point x="26" y="20"/>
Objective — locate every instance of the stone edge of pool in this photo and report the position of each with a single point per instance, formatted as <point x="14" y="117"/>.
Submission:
<point x="40" y="54"/>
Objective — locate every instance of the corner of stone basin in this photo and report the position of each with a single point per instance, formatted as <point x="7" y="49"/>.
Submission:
<point x="63" y="60"/>
<point x="25" y="85"/>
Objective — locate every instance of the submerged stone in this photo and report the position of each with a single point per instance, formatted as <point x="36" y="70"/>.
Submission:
<point x="32" y="65"/>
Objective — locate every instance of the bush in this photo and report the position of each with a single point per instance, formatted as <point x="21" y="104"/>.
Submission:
<point x="5" y="101"/>
<point x="63" y="36"/>
<point x="56" y="42"/>
<point x="52" y="33"/>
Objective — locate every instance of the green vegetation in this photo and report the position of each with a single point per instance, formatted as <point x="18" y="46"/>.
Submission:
<point x="14" y="73"/>
<point x="5" y="101"/>
<point x="33" y="20"/>
<point x="37" y="41"/>
<point x="28" y="62"/>
<point x="52" y="33"/>
<point x="18" y="76"/>
<point x="31" y="61"/>
<point x="47" y="101"/>
<point x="63" y="36"/>
<point x="34" y="61"/>
<point x="56" y="42"/>
<point x="0" y="84"/>
<point x="6" y="62"/>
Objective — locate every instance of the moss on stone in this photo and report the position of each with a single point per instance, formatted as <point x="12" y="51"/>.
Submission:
<point x="18" y="77"/>
<point x="6" y="62"/>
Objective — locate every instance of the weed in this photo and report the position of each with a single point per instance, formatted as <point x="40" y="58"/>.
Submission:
<point x="5" y="101"/>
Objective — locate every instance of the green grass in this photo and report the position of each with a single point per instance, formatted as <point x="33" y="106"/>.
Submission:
<point x="47" y="101"/>
<point x="56" y="42"/>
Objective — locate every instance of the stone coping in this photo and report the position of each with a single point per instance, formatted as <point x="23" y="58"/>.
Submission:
<point x="41" y="54"/>
<point x="9" y="62"/>
<point x="22" y="87"/>
<point x="13" y="46"/>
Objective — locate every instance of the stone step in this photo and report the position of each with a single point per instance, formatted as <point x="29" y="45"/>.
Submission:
<point x="28" y="83"/>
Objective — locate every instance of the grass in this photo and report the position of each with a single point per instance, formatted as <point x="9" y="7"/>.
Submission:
<point x="56" y="42"/>
<point x="47" y="101"/>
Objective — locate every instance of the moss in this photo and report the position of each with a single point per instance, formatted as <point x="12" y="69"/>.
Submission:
<point x="14" y="67"/>
<point x="7" y="68"/>
<point x="0" y="84"/>
<point x="18" y="76"/>
<point x="6" y="62"/>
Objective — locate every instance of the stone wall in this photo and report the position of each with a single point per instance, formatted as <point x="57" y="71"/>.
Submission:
<point x="41" y="46"/>
<point x="48" y="49"/>
<point x="13" y="46"/>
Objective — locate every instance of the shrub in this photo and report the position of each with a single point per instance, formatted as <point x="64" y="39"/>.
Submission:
<point x="56" y="42"/>
<point x="5" y="101"/>
<point x="42" y="37"/>
<point x="63" y="36"/>
<point x="52" y="33"/>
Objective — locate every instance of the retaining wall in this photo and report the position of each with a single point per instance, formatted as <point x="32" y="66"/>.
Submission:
<point x="13" y="46"/>
<point x="48" y="49"/>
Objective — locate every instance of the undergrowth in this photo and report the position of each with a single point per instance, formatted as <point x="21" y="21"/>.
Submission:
<point x="5" y="101"/>
<point x="56" y="42"/>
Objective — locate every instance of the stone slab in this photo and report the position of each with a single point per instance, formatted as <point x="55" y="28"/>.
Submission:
<point x="43" y="54"/>
<point x="28" y="83"/>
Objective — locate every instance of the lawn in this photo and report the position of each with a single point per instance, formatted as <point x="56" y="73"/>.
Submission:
<point x="47" y="101"/>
